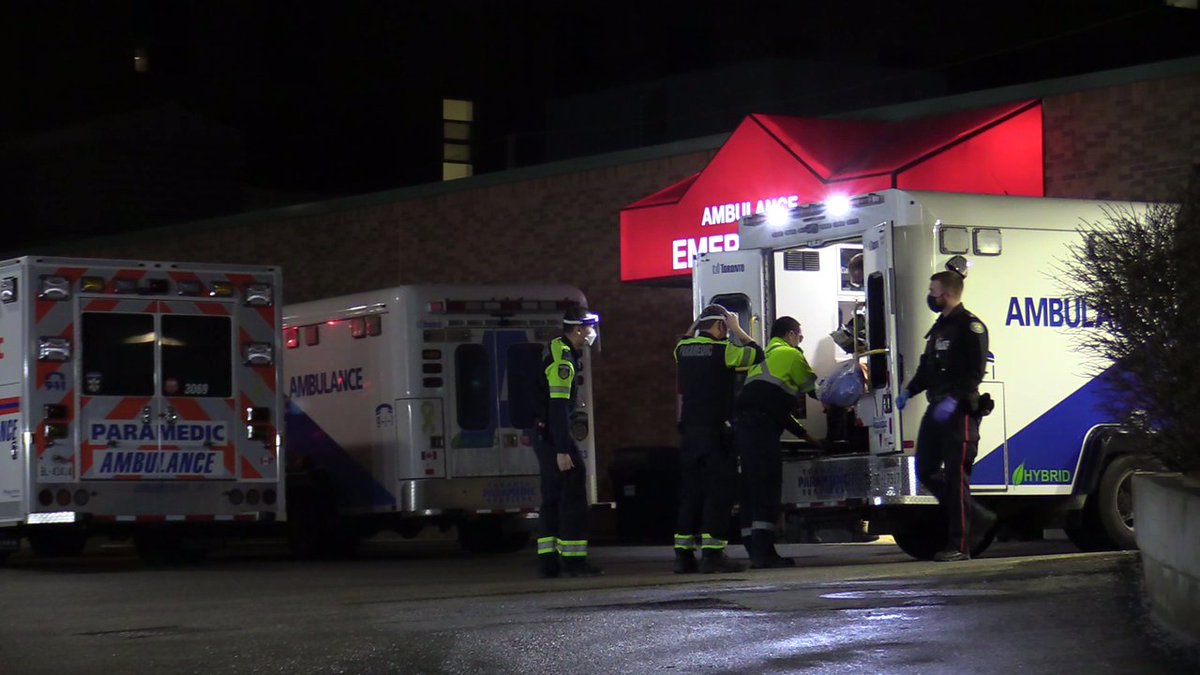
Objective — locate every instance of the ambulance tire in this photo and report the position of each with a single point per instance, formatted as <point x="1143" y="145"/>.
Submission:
<point x="58" y="544"/>
<point x="1114" y="499"/>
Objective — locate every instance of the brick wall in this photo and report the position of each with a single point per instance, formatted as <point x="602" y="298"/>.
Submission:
<point x="1128" y="142"/>
<point x="1134" y="142"/>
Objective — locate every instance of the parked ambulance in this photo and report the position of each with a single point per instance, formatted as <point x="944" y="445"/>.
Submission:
<point x="411" y="407"/>
<point x="1050" y="453"/>
<point x="137" y="399"/>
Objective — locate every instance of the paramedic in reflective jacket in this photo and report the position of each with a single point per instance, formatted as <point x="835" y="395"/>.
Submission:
<point x="765" y="408"/>
<point x="564" y="513"/>
<point x="707" y="369"/>
<point x="949" y="373"/>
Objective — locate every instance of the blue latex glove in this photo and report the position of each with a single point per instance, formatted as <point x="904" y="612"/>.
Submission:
<point x="943" y="410"/>
<point x="902" y="399"/>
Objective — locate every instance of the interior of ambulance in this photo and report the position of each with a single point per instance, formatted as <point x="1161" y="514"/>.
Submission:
<point x="826" y="291"/>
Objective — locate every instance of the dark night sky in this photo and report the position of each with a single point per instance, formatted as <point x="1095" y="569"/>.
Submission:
<point x="333" y="97"/>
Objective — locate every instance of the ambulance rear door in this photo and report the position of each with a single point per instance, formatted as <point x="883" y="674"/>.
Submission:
<point x="738" y="281"/>
<point x="876" y="409"/>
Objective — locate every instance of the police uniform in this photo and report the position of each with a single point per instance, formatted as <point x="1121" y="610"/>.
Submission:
<point x="564" y="511"/>
<point x="707" y="371"/>
<point x="949" y="373"/>
<point x="764" y="409"/>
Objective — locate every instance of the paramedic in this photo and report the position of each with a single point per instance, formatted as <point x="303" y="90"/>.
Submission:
<point x="707" y="369"/>
<point x="949" y="373"/>
<point x="764" y="409"/>
<point x="564" y="512"/>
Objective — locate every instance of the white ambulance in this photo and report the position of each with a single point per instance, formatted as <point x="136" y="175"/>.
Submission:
<point x="1050" y="453"/>
<point x="136" y="398"/>
<point x="411" y="406"/>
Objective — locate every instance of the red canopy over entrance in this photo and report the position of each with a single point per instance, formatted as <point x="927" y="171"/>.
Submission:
<point x="786" y="161"/>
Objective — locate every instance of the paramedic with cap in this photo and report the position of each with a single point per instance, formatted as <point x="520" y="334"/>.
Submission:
<point x="949" y="373"/>
<point x="707" y="370"/>
<point x="765" y="408"/>
<point x="564" y="512"/>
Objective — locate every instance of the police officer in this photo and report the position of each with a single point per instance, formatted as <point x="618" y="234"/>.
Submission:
<point x="707" y="368"/>
<point x="949" y="373"/>
<point x="763" y="410"/>
<point x="564" y="511"/>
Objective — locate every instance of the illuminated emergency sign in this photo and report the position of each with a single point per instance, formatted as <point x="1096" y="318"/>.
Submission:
<point x="775" y="162"/>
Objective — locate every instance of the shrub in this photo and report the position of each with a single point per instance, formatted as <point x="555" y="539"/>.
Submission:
<point x="1140" y="268"/>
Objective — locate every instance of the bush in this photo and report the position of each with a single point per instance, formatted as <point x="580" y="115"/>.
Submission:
<point x="1140" y="270"/>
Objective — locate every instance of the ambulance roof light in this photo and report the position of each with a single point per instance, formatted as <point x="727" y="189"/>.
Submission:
<point x="53" y="287"/>
<point x="777" y="216"/>
<point x="258" y="295"/>
<point x="8" y="290"/>
<point x="837" y="205"/>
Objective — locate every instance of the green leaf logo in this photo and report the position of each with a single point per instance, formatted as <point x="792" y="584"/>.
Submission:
<point x="1018" y="476"/>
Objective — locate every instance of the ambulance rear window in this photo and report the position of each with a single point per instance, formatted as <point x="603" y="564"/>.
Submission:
<point x="197" y="356"/>
<point x="473" y="380"/>
<point x="118" y="354"/>
<point x="526" y="377"/>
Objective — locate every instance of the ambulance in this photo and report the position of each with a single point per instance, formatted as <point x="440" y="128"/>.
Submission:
<point x="137" y="399"/>
<point x="411" y="407"/>
<point x="1052" y="452"/>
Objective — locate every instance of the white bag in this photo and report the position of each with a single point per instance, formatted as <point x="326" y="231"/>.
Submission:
<point x="844" y="386"/>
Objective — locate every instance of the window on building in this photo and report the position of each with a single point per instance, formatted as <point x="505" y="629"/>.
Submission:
<point x="457" y="117"/>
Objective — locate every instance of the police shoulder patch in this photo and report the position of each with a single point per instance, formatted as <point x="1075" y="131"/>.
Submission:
<point x="564" y="371"/>
<point x="977" y="327"/>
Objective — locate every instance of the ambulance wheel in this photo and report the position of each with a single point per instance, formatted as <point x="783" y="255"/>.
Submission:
<point x="922" y="536"/>
<point x="57" y="544"/>
<point x="1114" y="500"/>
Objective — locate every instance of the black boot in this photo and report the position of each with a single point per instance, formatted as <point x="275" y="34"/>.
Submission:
<point x="715" y="560"/>
<point x="983" y="524"/>
<point x="685" y="561"/>
<point x="578" y="566"/>
<point x="763" y="554"/>
<point x="548" y="567"/>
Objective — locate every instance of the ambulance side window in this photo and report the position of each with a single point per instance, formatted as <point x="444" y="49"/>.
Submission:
<point x="197" y="356"/>
<point x="877" y="364"/>
<point x="118" y="354"/>
<point x="473" y="387"/>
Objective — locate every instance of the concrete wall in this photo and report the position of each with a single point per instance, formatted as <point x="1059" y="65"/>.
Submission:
<point x="1133" y="141"/>
<point x="1168" y="534"/>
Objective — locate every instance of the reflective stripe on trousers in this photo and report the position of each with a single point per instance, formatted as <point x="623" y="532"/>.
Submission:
<point x="685" y="542"/>
<point x="547" y="545"/>
<point x="576" y="548"/>
<point x="711" y="543"/>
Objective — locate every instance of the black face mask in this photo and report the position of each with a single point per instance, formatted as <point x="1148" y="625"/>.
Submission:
<point x="933" y="304"/>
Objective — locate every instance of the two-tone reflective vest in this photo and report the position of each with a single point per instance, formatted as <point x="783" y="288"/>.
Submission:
<point x="775" y="386"/>
<point x="707" y="374"/>
<point x="562" y="366"/>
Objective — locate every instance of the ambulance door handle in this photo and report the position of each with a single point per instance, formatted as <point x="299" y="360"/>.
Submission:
<point x="146" y="415"/>
<point x="171" y="415"/>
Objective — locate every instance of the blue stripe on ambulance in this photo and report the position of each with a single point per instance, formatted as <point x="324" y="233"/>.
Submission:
<point x="355" y="486"/>
<point x="1053" y="441"/>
